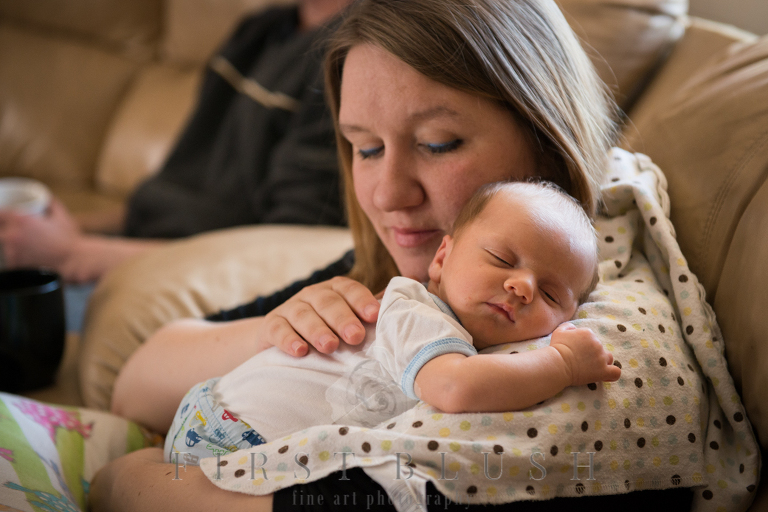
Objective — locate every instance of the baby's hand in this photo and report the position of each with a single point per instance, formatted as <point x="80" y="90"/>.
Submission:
<point x="584" y="355"/>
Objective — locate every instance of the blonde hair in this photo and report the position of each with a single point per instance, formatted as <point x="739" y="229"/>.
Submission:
<point x="548" y="195"/>
<point x="519" y="53"/>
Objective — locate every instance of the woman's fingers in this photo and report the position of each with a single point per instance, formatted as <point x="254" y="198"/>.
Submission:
<point x="359" y="298"/>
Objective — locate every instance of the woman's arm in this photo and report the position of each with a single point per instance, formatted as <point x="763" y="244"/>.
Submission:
<point x="456" y="383"/>
<point x="142" y="481"/>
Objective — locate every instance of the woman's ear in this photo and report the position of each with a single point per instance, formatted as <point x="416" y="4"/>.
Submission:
<point x="436" y="267"/>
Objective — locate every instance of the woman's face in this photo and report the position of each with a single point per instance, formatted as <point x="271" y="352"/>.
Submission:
<point x="420" y="150"/>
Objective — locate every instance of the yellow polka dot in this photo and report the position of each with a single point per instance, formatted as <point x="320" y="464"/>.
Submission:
<point x="681" y="262"/>
<point x="615" y="301"/>
<point x="242" y="460"/>
<point x="432" y="473"/>
<point x="596" y="487"/>
<point x="673" y="363"/>
<point x="258" y="481"/>
<point x="677" y="348"/>
<point x="445" y="432"/>
<point x="552" y="429"/>
<point x="567" y="449"/>
<point x="644" y="343"/>
<point x="633" y="363"/>
<point x="697" y="478"/>
<point x="710" y="469"/>
<point x="609" y="347"/>
<point x="706" y="329"/>
<point x="688" y="418"/>
<point x="627" y="464"/>
<point x="612" y="403"/>
<point x="715" y="381"/>
<point x="386" y="445"/>
<point x="626" y="403"/>
<point x="735" y="399"/>
<point x="528" y="414"/>
<point x="582" y="314"/>
<point x="598" y="425"/>
<point x="647" y="207"/>
<point x="286" y="438"/>
<point x="516" y="452"/>
<point x="656" y="344"/>
<point x="614" y="465"/>
<point x="639" y="483"/>
<point x="611" y="317"/>
<point x="454" y="446"/>
<point x="279" y="478"/>
<point x="722" y="484"/>
<point x="687" y="311"/>
<point x="637" y="327"/>
<point x="474" y="469"/>
<point x="514" y="470"/>
<point x="656" y="461"/>
<point x="640" y="422"/>
<point x="565" y="407"/>
<point x="613" y="445"/>
<point x="696" y="400"/>
<point x="531" y="347"/>
<point x="581" y="406"/>
<point x="544" y="490"/>
<point x="508" y="416"/>
<point x="490" y="438"/>
<point x="437" y="417"/>
<point x="465" y="425"/>
<point x="674" y="460"/>
<point x="668" y="400"/>
<point x="652" y="401"/>
<point x="631" y="298"/>
<point x="326" y="455"/>
<point x="491" y="491"/>
<point x="454" y="466"/>
<point x="303" y="441"/>
<point x="655" y="441"/>
<point x="622" y="230"/>
<point x="565" y="469"/>
<point x="605" y="293"/>
<point x="654" y="312"/>
<point x="606" y="385"/>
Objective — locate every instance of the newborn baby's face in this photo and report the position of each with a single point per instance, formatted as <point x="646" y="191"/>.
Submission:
<point x="512" y="274"/>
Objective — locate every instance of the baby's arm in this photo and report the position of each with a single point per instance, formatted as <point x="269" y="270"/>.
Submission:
<point x="456" y="383"/>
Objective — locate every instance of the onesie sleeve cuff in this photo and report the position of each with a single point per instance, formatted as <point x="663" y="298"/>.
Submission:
<point x="429" y="352"/>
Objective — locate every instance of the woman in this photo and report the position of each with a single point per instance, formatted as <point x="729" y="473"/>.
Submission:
<point x="431" y="99"/>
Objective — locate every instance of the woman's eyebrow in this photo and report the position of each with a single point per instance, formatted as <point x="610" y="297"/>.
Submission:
<point x="432" y="113"/>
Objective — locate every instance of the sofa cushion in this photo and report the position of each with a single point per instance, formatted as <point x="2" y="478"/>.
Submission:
<point x="626" y="39"/>
<point x="192" y="278"/>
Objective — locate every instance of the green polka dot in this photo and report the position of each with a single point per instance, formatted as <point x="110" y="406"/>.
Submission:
<point x="465" y="425"/>
<point x="674" y="460"/>
<point x="668" y="400"/>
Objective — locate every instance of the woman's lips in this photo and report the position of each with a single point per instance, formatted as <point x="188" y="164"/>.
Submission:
<point x="413" y="237"/>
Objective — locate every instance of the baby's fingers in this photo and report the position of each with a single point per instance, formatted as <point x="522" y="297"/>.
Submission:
<point x="612" y="373"/>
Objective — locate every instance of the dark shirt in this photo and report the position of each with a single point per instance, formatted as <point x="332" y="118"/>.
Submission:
<point x="238" y="162"/>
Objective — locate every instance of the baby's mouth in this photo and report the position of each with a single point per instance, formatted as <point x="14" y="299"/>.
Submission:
<point x="504" y="309"/>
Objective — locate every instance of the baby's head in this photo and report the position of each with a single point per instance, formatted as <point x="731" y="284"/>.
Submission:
<point x="520" y="260"/>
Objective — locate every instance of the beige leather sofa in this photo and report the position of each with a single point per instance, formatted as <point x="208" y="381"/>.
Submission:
<point x="92" y="94"/>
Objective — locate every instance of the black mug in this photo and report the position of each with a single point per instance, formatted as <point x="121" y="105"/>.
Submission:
<point x="32" y="329"/>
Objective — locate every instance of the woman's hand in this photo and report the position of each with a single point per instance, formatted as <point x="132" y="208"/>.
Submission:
<point x="321" y="314"/>
<point x="39" y="240"/>
<point x="585" y="357"/>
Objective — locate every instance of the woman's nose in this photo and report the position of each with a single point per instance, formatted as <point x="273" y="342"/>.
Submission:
<point x="398" y="186"/>
<point x="522" y="284"/>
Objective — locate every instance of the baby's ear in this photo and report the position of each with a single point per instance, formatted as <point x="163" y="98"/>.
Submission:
<point x="436" y="267"/>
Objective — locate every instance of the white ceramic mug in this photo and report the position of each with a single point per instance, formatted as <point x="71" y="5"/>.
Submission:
<point x="23" y="195"/>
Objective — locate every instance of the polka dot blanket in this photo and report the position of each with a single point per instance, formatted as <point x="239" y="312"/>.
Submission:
<point x="673" y="419"/>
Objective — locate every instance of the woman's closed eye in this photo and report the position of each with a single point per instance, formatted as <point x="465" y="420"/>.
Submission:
<point x="443" y="147"/>
<point x="370" y="152"/>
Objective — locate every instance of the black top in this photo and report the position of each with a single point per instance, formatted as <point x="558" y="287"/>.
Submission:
<point x="238" y="162"/>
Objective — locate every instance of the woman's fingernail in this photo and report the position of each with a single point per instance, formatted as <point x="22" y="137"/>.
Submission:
<point x="370" y="311"/>
<point x="325" y="340"/>
<point x="297" y="346"/>
<point x="351" y="331"/>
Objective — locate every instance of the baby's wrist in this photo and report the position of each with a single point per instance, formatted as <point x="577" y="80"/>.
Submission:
<point x="564" y="358"/>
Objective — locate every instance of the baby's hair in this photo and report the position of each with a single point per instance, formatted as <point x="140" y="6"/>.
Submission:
<point x="541" y="190"/>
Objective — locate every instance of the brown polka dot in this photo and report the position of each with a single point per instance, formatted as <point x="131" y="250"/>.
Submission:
<point x="639" y="281"/>
<point x="411" y="464"/>
<point x="621" y="328"/>
<point x="433" y="445"/>
<point x="498" y="449"/>
<point x="532" y="432"/>
<point x="717" y="424"/>
<point x="530" y="490"/>
<point x="471" y="489"/>
<point x="621" y="276"/>
<point x="642" y="310"/>
<point x="579" y="488"/>
<point x="592" y="386"/>
<point x="653" y="221"/>
<point x="553" y="451"/>
<point x="391" y="426"/>
<point x="223" y="463"/>
<point x="614" y="179"/>
<point x="751" y="488"/>
<point x="366" y="447"/>
<point x="680" y="381"/>
<point x="584" y="426"/>
<point x="417" y="424"/>
<point x="673" y="317"/>
<point x="283" y="449"/>
<point x="683" y="278"/>
<point x="640" y="442"/>
<point x="714" y="445"/>
<point x="514" y="352"/>
<point x="662" y="361"/>
<point x="707" y="494"/>
<point x="676" y="479"/>
<point x="741" y="468"/>
<point x="598" y="445"/>
<point x="666" y="292"/>
<point x="689" y="329"/>
<point x="617" y="263"/>
<point x="690" y="367"/>
<point x="661" y="329"/>
<point x="627" y="423"/>
<point x="617" y="364"/>
<point x="609" y="239"/>
<point x="304" y="459"/>
<point x="692" y="437"/>
<point x="738" y="417"/>
<point x="639" y="382"/>
<point x="626" y="484"/>
<point x="671" y="420"/>
<point x="343" y="431"/>
<point x="239" y="473"/>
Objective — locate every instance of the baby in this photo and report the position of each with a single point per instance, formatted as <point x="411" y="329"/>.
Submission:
<point x="520" y="260"/>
